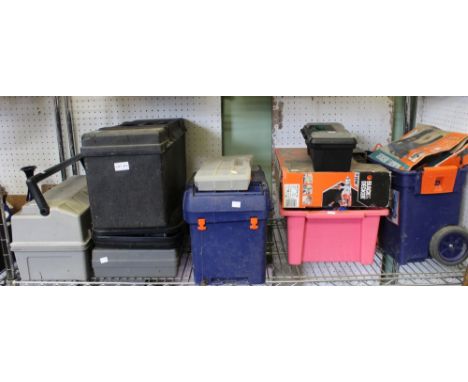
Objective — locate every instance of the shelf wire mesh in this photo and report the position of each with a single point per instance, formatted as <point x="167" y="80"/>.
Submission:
<point x="279" y="272"/>
<point x="2" y="277"/>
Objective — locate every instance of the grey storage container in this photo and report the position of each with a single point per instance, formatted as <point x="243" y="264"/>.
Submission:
<point x="135" y="263"/>
<point x="56" y="246"/>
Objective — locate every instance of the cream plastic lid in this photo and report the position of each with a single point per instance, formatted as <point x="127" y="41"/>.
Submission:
<point x="229" y="173"/>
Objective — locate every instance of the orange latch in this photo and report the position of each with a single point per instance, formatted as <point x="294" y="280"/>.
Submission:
<point x="438" y="180"/>
<point x="254" y="223"/>
<point x="201" y="224"/>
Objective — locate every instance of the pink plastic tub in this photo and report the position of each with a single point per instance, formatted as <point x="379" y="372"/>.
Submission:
<point x="332" y="236"/>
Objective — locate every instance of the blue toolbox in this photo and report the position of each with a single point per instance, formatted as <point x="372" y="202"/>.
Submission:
<point x="425" y="215"/>
<point x="228" y="232"/>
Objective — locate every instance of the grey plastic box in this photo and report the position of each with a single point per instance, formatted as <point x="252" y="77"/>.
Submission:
<point x="50" y="264"/>
<point x="230" y="173"/>
<point x="135" y="263"/>
<point x="56" y="246"/>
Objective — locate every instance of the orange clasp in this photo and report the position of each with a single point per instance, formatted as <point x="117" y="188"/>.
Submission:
<point x="201" y="225"/>
<point x="438" y="180"/>
<point x="254" y="223"/>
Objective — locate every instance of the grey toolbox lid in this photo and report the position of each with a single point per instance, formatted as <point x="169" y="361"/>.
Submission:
<point x="227" y="173"/>
<point x="327" y="133"/>
<point x="133" y="138"/>
<point x="68" y="225"/>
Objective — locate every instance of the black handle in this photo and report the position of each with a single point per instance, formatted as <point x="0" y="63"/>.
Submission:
<point x="146" y="122"/>
<point x="304" y="132"/>
<point x="29" y="172"/>
<point x="33" y="181"/>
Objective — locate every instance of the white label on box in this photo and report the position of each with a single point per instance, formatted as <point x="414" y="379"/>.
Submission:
<point x="291" y="196"/>
<point x="331" y="212"/>
<point x="121" y="166"/>
<point x="235" y="204"/>
<point x="104" y="260"/>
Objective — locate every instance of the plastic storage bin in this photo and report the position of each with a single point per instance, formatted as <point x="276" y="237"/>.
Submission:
<point x="135" y="263"/>
<point x="136" y="176"/>
<point x="423" y="203"/>
<point x="332" y="236"/>
<point x="330" y="146"/>
<point x="231" y="173"/>
<point x="228" y="232"/>
<point x="56" y="246"/>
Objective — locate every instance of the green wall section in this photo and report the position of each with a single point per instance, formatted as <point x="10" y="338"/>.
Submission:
<point x="247" y="129"/>
<point x="398" y="117"/>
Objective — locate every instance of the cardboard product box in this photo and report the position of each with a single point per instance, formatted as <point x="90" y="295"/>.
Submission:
<point x="424" y="146"/>
<point x="366" y="185"/>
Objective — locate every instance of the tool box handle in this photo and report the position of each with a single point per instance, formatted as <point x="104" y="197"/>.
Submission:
<point x="145" y="122"/>
<point x="149" y="122"/>
<point x="33" y="181"/>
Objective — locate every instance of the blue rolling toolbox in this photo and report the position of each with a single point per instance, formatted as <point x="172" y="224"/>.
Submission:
<point x="425" y="215"/>
<point x="228" y="232"/>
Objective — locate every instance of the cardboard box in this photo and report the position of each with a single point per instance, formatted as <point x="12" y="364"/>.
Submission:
<point x="424" y="146"/>
<point x="366" y="185"/>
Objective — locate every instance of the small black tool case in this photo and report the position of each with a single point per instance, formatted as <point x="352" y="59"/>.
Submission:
<point x="330" y="146"/>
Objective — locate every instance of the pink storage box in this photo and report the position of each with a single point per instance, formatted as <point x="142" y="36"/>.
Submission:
<point x="332" y="236"/>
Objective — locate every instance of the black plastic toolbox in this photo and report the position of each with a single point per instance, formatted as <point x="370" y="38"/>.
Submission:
<point x="330" y="146"/>
<point x="136" y="176"/>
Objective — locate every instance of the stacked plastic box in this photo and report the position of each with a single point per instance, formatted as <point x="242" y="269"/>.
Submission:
<point x="332" y="203"/>
<point x="228" y="228"/>
<point x="329" y="145"/>
<point x="55" y="246"/>
<point x="136" y="178"/>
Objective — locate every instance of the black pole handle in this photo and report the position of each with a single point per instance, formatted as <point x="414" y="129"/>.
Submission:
<point x="29" y="172"/>
<point x="33" y="181"/>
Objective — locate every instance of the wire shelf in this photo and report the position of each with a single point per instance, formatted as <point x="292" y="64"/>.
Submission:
<point x="279" y="272"/>
<point x="2" y="277"/>
<point x="428" y="272"/>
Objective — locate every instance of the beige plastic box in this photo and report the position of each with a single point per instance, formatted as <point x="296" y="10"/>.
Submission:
<point x="230" y="173"/>
<point x="56" y="246"/>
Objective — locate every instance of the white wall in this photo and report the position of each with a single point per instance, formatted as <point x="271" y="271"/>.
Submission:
<point x="27" y="136"/>
<point x="27" y="128"/>
<point x="369" y="118"/>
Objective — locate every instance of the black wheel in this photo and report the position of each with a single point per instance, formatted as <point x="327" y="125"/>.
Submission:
<point x="449" y="245"/>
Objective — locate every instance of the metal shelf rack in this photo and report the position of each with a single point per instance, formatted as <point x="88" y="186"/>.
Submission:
<point x="2" y="278"/>
<point x="279" y="273"/>
<point x="384" y="270"/>
<point x="93" y="113"/>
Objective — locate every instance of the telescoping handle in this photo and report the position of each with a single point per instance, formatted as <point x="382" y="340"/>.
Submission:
<point x="33" y="181"/>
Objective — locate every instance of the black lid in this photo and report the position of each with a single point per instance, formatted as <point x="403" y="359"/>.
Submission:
<point x="141" y="136"/>
<point x="327" y="133"/>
